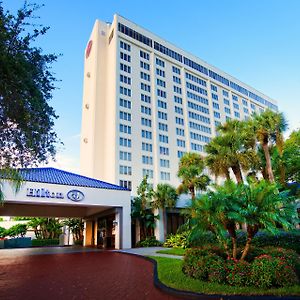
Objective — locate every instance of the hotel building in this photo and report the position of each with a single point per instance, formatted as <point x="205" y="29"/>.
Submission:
<point x="146" y="102"/>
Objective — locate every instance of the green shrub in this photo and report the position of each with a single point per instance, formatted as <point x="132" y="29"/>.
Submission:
<point x="203" y="263"/>
<point x="150" y="241"/>
<point x="2" y="232"/>
<point x="178" y="240"/>
<point x="16" y="230"/>
<point x="45" y="242"/>
<point x="268" y="271"/>
<point x="237" y="272"/>
<point x="201" y="239"/>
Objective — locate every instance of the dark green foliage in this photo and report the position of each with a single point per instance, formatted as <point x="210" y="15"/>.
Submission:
<point x="268" y="271"/>
<point x="2" y="232"/>
<point x="18" y="230"/>
<point x="271" y="268"/>
<point x="26" y="85"/>
<point x="237" y="272"/>
<point x="45" y="242"/>
<point x="77" y="226"/>
<point x="150" y="241"/>
<point x="46" y="228"/>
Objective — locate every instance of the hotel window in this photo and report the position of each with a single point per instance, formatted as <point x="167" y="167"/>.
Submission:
<point x="147" y="172"/>
<point x="162" y="104"/>
<point x="180" y="131"/>
<point x="125" y="142"/>
<point x="147" y="134"/>
<point x="246" y="110"/>
<point x="227" y="110"/>
<point x="161" y="93"/>
<point x="125" y="170"/>
<point x="145" y="65"/>
<point x="176" y="70"/>
<point x="226" y="101"/>
<point x="197" y="147"/>
<point x="178" y="110"/>
<point x="214" y="96"/>
<point x="146" y="122"/>
<point x="147" y="160"/>
<point x="125" y="46"/>
<point x="160" y="82"/>
<point x="125" y="116"/>
<point x="252" y="106"/>
<point x="178" y="99"/>
<point x="145" y="76"/>
<point x="145" y="98"/>
<point x="125" y="91"/>
<point x="180" y="154"/>
<point x="216" y="105"/>
<point x="179" y="121"/>
<point x="237" y="114"/>
<point x="160" y="72"/>
<point x="164" y="175"/>
<point x="214" y="88"/>
<point x="162" y="115"/>
<point x="180" y="143"/>
<point x="217" y="115"/>
<point x="164" y="163"/>
<point x="125" y="128"/>
<point x="162" y="126"/>
<point x="145" y="87"/>
<point x="125" y="56"/>
<point x="163" y="150"/>
<point x="177" y="89"/>
<point x="145" y="110"/>
<point x="163" y="139"/>
<point x="147" y="147"/>
<point x="125" y="103"/>
<point x="125" y="79"/>
<point x="160" y="63"/>
<point x="125" y="68"/>
<point x="126" y="184"/>
<point x="236" y="106"/>
<point x="234" y="97"/>
<point x="144" y="55"/>
<point x="245" y="103"/>
<point x="176" y="79"/>
<point x="225" y="93"/>
<point x="125" y="155"/>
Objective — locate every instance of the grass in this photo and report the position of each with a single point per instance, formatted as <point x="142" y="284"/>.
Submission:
<point x="173" y="251"/>
<point x="169" y="273"/>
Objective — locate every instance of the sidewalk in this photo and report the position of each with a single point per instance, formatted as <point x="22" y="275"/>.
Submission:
<point x="149" y="251"/>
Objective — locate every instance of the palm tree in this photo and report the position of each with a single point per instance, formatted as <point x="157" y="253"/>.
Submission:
<point x="191" y="166"/>
<point x="261" y="205"/>
<point x="165" y="197"/>
<point x="268" y="127"/>
<point x="13" y="177"/>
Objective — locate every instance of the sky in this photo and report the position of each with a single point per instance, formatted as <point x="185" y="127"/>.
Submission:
<point x="255" y="41"/>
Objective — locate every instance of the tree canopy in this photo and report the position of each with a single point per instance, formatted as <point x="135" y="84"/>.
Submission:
<point x="26" y="85"/>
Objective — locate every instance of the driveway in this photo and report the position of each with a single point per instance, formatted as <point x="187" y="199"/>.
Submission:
<point x="75" y="275"/>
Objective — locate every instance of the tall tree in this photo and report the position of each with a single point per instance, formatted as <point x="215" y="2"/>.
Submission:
<point x="190" y="171"/>
<point x="26" y="119"/>
<point x="165" y="196"/>
<point x="269" y="127"/>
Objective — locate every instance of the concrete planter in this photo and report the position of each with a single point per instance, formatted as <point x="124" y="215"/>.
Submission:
<point x="23" y="242"/>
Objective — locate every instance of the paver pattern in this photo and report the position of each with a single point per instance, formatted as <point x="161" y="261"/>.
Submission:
<point x="83" y="275"/>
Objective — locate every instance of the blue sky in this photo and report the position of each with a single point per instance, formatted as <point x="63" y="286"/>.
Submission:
<point x="255" y="41"/>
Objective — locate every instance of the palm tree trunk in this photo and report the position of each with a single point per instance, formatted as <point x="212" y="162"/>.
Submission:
<point x="237" y="173"/>
<point x="232" y="232"/>
<point x="252" y="230"/>
<point x="269" y="170"/>
<point x="164" y="215"/>
<point x="227" y="174"/>
<point x="192" y="191"/>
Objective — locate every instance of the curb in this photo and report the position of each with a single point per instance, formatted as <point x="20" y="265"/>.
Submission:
<point x="192" y="295"/>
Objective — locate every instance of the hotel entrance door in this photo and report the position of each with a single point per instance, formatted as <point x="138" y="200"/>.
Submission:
<point x="106" y="232"/>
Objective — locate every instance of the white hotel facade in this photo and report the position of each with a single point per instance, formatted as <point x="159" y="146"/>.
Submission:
<point x="146" y="102"/>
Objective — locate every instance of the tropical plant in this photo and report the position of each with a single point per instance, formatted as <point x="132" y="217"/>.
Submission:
<point x="46" y="228"/>
<point x="269" y="127"/>
<point x="190" y="171"/>
<point x="17" y="230"/>
<point x="165" y="196"/>
<point x="257" y="204"/>
<point x="76" y="226"/>
<point x="141" y="209"/>
<point x="11" y="176"/>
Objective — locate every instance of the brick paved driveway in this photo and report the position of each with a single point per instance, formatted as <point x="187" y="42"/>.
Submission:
<point x="84" y="275"/>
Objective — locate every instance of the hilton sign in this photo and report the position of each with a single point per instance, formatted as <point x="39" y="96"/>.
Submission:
<point x="73" y="195"/>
